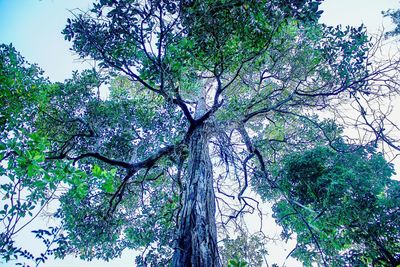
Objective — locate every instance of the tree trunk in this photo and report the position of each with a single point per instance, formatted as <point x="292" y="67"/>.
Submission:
<point x="197" y="235"/>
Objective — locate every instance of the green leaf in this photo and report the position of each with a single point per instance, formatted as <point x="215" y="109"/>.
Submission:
<point x="108" y="186"/>
<point x="39" y="157"/>
<point x="32" y="170"/>
<point x="96" y="170"/>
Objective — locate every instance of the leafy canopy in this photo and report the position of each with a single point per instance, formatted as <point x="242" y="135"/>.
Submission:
<point x="254" y="72"/>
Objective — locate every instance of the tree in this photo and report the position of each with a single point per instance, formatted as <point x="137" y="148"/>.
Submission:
<point x="22" y="94"/>
<point x="205" y="98"/>
<point x="342" y="206"/>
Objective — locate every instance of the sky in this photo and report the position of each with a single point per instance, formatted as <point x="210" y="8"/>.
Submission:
<point x="34" y="28"/>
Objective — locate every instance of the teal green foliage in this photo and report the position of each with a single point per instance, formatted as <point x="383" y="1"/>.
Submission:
<point x="75" y="118"/>
<point x="340" y="205"/>
<point x="26" y="181"/>
<point x="129" y="126"/>
<point x="145" y="218"/>
<point x="21" y="90"/>
<point x="286" y="135"/>
<point x="244" y="250"/>
<point x="296" y="53"/>
<point x="36" y="117"/>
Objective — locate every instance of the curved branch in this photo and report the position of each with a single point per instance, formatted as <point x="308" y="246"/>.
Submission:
<point x="133" y="167"/>
<point x="96" y="155"/>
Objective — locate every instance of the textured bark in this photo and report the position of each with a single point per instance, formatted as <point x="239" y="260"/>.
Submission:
<point x="197" y="235"/>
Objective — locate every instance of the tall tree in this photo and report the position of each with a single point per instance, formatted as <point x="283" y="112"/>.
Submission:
<point x="205" y="97"/>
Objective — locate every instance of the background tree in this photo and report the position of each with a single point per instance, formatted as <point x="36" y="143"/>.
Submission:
<point x="341" y="205"/>
<point x="22" y="94"/>
<point x="206" y="97"/>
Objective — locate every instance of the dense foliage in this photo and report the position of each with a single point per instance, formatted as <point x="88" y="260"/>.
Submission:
<point x="22" y="94"/>
<point x="342" y="206"/>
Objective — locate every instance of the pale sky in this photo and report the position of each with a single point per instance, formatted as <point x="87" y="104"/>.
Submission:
<point x="34" y="27"/>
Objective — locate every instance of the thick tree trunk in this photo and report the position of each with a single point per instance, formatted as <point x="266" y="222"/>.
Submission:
<point x="197" y="234"/>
